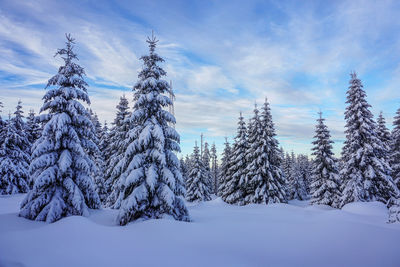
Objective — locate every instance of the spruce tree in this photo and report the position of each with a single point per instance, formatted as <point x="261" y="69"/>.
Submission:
<point x="325" y="188"/>
<point x="275" y="178"/>
<point x="33" y="129"/>
<point x="184" y="170"/>
<point x="224" y="170"/>
<point x="14" y="160"/>
<point x="395" y="149"/>
<point x="114" y="153"/>
<point x="197" y="188"/>
<point x="297" y="188"/>
<point x="97" y="157"/>
<point x="214" y="168"/>
<point x="152" y="181"/>
<point x="206" y="157"/>
<point x="61" y="167"/>
<point x="384" y="135"/>
<point x="235" y="182"/>
<point x="366" y="172"/>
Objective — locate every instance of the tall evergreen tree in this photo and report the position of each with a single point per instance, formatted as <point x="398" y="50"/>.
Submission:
<point x="97" y="157"/>
<point x="197" y="188"/>
<point x="206" y="157"/>
<point x="225" y="167"/>
<point x="325" y="188"/>
<point x="114" y="153"/>
<point x="395" y="149"/>
<point x="366" y="173"/>
<point x="14" y="160"/>
<point x="214" y="168"/>
<point x="61" y="167"/>
<point x="153" y="185"/>
<point x="275" y="178"/>
<point x="235" y="182"/>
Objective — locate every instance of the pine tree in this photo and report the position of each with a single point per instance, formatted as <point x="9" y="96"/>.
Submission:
<point x="152" y="181"/>
<point x="97" y="157"/>
<point x="214" y="168"/>
<point x="395" y="149"/>
<point x="184" y="170"/>
<point x="32" y="127"/>
<point x="14" y="159"/>
<point x="224" y="170"/>
<point x="118" y="143"/>
<point x="235" y="182"/>
<point x="297" y="186"/>
<point x="197" y="188"/>
<point x="206" y="162"/>
<point x="325" y="188"/>
<point x="385" y="137"/>
<point x="366" y="173"/>
<point x="61" y="167"/>
<point x="20" y="126"/>
<point x="275" y="179"/>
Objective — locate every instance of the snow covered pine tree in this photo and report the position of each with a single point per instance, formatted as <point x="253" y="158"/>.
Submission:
<point x="224" y="170"/>
<point x="235" y="183"/>
<point x="395" y="149"/>
<point x="153" y="185"/>
<point x="60" y="165"/>
<point x="366" y="173"/>
<point x="325" y="188"/>
<point x="197" y="184"/>
<point x="14" y="156"/>
<point x="114" y="153"/>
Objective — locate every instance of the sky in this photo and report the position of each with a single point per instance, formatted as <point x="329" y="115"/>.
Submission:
<point x="222" y="57"/>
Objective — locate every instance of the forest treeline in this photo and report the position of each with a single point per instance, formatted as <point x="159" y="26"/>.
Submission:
<point x="68" y="162"/>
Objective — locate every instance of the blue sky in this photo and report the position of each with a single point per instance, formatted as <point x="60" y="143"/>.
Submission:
<point x="222" y="57"/>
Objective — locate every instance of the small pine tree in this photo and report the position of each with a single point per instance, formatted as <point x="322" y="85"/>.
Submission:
<point x="395" y="149"/>
<point x="235" y="182"/>
<point x="206" y="157"/>
<point x="366" y="172"/>
<point x="61" y="167"/>
<point x="196" y="186"/>
<point x="214" y="168"/>
<point x="384" y="135"/>
<point x="325" y="188"/>
<point x="33" y="129"/>
<point x="152" y="181"/>
<point x="14" y="160"/>
<point x="97" y="157"/>
<point x="117" y="145"/>
<point x="184" y="170"/>
<point x="297" y="185"/>
<point x="224" y="170"/>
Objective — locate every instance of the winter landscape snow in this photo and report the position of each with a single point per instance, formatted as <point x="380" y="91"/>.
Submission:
<point x="220" y="234"/>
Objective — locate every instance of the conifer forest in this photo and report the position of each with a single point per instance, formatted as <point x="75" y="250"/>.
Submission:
<point x="76" y="190"/>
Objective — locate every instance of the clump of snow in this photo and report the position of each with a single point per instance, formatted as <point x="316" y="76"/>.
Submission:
<point x="220" y="234"/>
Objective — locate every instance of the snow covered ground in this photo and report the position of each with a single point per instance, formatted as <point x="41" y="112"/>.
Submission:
<point x="220" y="235"/>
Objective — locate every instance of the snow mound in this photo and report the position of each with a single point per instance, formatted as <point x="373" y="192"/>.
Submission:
<point x="220" y="235"/>
<point x="366" y="208"/>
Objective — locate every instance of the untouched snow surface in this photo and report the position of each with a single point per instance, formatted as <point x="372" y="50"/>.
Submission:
<point x="220" y="235"/>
